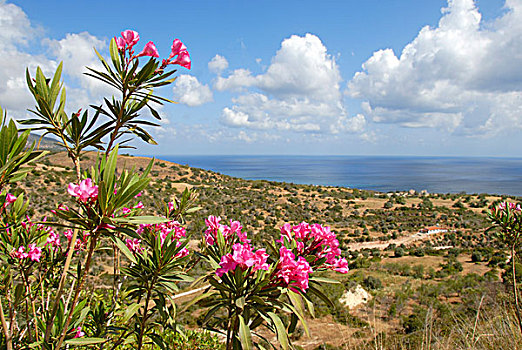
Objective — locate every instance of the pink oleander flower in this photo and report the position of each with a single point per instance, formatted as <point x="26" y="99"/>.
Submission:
<point x="53" y="240"/>
<point x="68" y="234"/>
<point x="125" y="210"/>
<point x="79" y="333"/>
<point x="244" y="257"/>
<point x="80" y="243"/>
<point x="182" y="253"/>
<point x="120" y="43"/>
<point x="149" y="50"/>
<point x="213" y="226"/>
<point x="183" y="60"/>
<point x="510" y="205"/>
<point x="35" y="253"/>
<point x="139" y="205"/>
<point x="227" y="263"/>
<point x="229" y="232"/>
<point x="134" y="245"/>
<point x="314" y="239"/>
<point x="168" y="227"/>
<point x="234" y="229"/>
<point x="20" y="253"/>
<point x="85" y="191"/>
<point x="164" y="229"/>
<point x="341" y="265"/>
<point x="176" y="48"/>
<point x="130" y="37"/>
<point x="295" y="273"/>
<point x="138" y="195"/>
<point x="170" y="205"/>
<point x="9" y="199"/>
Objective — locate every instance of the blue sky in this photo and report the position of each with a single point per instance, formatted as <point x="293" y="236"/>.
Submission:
<point x="396" y="77"/>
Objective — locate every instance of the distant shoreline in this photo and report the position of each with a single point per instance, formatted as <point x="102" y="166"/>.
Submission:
<point x="489" y="175"/>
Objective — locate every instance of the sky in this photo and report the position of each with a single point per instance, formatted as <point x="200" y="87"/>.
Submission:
<point x="372" y="77"/>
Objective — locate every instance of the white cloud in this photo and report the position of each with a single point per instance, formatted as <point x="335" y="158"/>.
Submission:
<point x="463" y="75"/>
<point x="356" y="124"/>
<point x="237" y="81"/>
<point x="76" y="51"/>
<point x="15" y="26"/>
<point x="19" y="45"/>
<point x="218" y="64"/>
<point x="243" y="136"/>
<point x="188" y="90"/>
<point x="300" y="91"/>
<point x="15" y="33"/>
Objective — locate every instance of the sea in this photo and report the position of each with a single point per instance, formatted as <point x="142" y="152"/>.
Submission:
<point x="379" y="173"/>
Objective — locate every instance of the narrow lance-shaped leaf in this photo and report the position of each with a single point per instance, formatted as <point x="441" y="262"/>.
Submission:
<point x="244" y="334"/>
<point x="282" y="337"/>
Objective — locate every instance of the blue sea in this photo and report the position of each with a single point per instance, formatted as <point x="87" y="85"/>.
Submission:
<point x="379" y="173"/>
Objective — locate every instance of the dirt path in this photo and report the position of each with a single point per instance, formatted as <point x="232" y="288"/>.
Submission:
<point x="384" y="244"/>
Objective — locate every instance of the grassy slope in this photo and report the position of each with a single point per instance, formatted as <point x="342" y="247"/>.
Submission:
<point x="426" y="283"/>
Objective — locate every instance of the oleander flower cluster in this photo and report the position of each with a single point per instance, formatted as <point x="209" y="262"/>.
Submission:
<point x="178" y="55"/>
<point x="172" y="230"/>
<point x="33" y="251"/>
<point x="514" y="207"/>
<point x="293" y="272"/>
<point x="315" y="247"/>
<point x="86" y="191"/>
<point x="229" y="232"/>
<point x="315" y="240"/>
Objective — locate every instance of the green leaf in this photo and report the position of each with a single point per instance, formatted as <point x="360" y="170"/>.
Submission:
<point x="55" y="85"/>
<point x="110" y="169"/>
<point x="296" y="301"/>
<point x="41" y="84"/>
<point x="124" y="249"/>
<point x="244" y="334"/>
<point x="154" y="113"/>
<point x="130" y="311"/>
<point x="324" y="280"/>
<point x="85" y="341"/>
<point x="196" y="299"/>
<point x="115" y="55"/>
<point x="320" y="294"/>
<point x="282" y="337"/>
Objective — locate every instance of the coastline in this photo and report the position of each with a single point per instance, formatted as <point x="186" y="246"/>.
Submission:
<point x="471" y="175"/>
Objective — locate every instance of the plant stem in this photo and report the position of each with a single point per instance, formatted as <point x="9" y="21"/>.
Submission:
<point x="76" y="162"/>
<point x="78" y="288"/>
<point x="33" y="307"/>
<point x="515" y="292"/>
<point x="144" y="318"/>
<point x="229" y="343"/>
<point x="9" y="343"/>
<point x="61" y="285"/>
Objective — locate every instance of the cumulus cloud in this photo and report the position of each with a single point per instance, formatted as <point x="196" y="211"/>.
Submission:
<point x="300" y="91"/>
<point x="188" y="90"/>
<point x="217" y="64"/>
<point x="463" y="75"/>
<point x="355" y="124"/>
<point x="19" y="45"/>
<point x="76" y="51"/>
<point x="15" y="33"/>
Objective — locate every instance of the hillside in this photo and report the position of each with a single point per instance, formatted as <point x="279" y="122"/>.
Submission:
<point x="44" y="143"/>
<point x="416" y="281"/>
